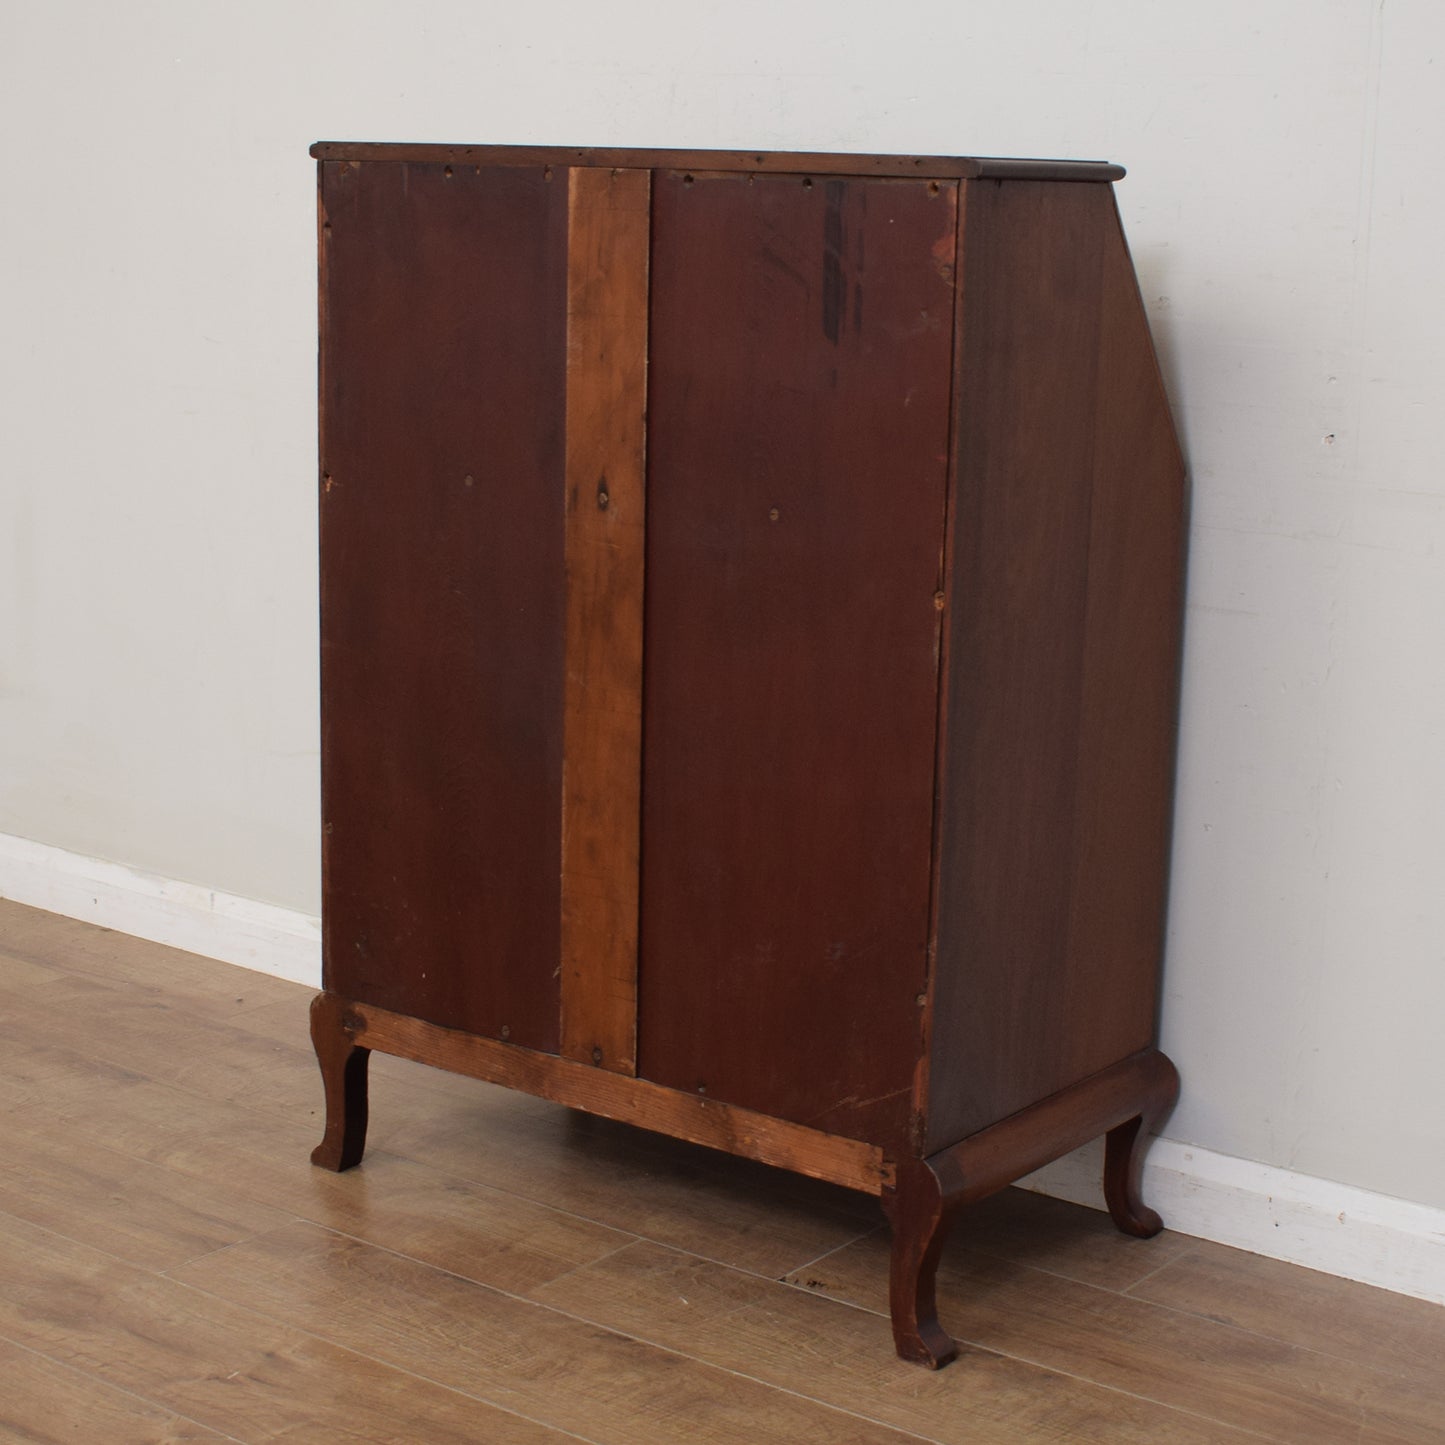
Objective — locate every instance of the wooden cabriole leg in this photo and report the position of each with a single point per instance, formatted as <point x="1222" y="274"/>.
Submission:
<point x="921" y="1214"/>
<point x="343" y="1075"/>
<point x="1127" y="1101"/>
<point x="1124" y="1149"/>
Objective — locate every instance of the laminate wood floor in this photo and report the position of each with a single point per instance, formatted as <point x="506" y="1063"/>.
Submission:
<point x="502" y="1270"/>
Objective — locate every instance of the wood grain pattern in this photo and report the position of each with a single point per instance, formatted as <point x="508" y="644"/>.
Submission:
<point x="635" y="1101"/>
<point x="798" y="1339"/>
<point x="1129" y="699"/>
<point x="949" y="589"/>
<point x="442" y="590"/>
<point x="55" y="948"/>
<point x="149" y="1216"/>
<point x="1058" y="1339"/>
<point x="49" y="1404"/>
<point x="1351" y="1322"/>
<point x="1246" y="1381"/>
<point x="631" y="1180"/>
<point x="745" y="1214"/>
<point x="1061" y="675"/>
<point x="796" y="476"/>
<point x="607" y="1386"/>
<point x="791" y="162"/>
<point x="187" y="1050"/>
<point x="986" y="1161"/>
<point x="220" y="1362"/>
<point x="607" y="253"/>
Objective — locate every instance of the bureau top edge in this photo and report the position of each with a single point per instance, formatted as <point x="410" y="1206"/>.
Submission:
<point x="817" y="162"/>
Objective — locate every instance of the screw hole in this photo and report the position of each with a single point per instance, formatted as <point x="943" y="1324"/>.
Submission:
<point x="447" y="172"/>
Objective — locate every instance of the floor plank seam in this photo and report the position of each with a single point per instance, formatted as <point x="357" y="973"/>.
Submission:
<point x="973" y="1346"/>
<point x="369" y="1357"/>
<point x="551" y="1279"/>
<point x="1116" y="1390"/>
<point x="811" y="1293"/>
<point x="509" y="1194"/>
<point x="592" y="1219"/>
<point x="562" y="1314"/>
<point x="1183" y="1254"/>
<point x="1211" y="1320"/>
<point x="1017" y="1262"/>
<point x="105" y="1254"/>
<point x="173" y="1124"/>
<point x="274" y="1319"/>
<point x="239" y="1101"/>
<point x="1327" y="1356"/>
<point x="902" y="1431"/>
<point x="829" y="1253"/>
<point x="140" y="1399"/>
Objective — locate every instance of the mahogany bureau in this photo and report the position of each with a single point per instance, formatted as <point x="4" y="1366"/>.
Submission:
<point x="750" y="611"/>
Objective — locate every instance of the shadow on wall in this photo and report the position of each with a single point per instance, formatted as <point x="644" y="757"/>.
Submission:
<point x="1151" y="270"/>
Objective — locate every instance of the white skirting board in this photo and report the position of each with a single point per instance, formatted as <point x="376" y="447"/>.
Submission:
<point x="1342" y="1230"/>
<point x="279" y="941"/>
<point x="1373" y="1238"/>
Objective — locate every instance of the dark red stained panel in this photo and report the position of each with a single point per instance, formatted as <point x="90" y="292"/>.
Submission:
<point x="443" y="354"/>
<point x="1061" y="682"/>
<point x="798" y="431"/>
<point x="1128" y="706"/>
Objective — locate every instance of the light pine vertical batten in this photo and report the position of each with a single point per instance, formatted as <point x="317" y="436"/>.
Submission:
<point x="608" y="229"/>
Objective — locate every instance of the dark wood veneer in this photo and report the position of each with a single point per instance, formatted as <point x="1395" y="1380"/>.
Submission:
<point x="442" y="451"/>
<point x="751" y="589"/>
<point x="798" y="466"/>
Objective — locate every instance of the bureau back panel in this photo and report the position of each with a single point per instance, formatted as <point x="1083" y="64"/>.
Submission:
<point x="799" y="380"/>
<point x="443" y="354"/>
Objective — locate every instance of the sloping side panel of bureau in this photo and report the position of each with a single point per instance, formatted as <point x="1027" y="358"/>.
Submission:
<point x="1062" y="638"/>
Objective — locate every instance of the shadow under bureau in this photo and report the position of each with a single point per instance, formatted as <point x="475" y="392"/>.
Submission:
<point x="750" y="611"/>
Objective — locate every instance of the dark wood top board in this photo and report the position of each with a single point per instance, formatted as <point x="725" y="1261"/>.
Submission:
<point x="790" y="162"/>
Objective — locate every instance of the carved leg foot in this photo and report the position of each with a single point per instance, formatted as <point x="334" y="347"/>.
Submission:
<point x="1125" y="1147"/>
<point x="921" y="1215"/>
<point x="343" y="1074"/>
